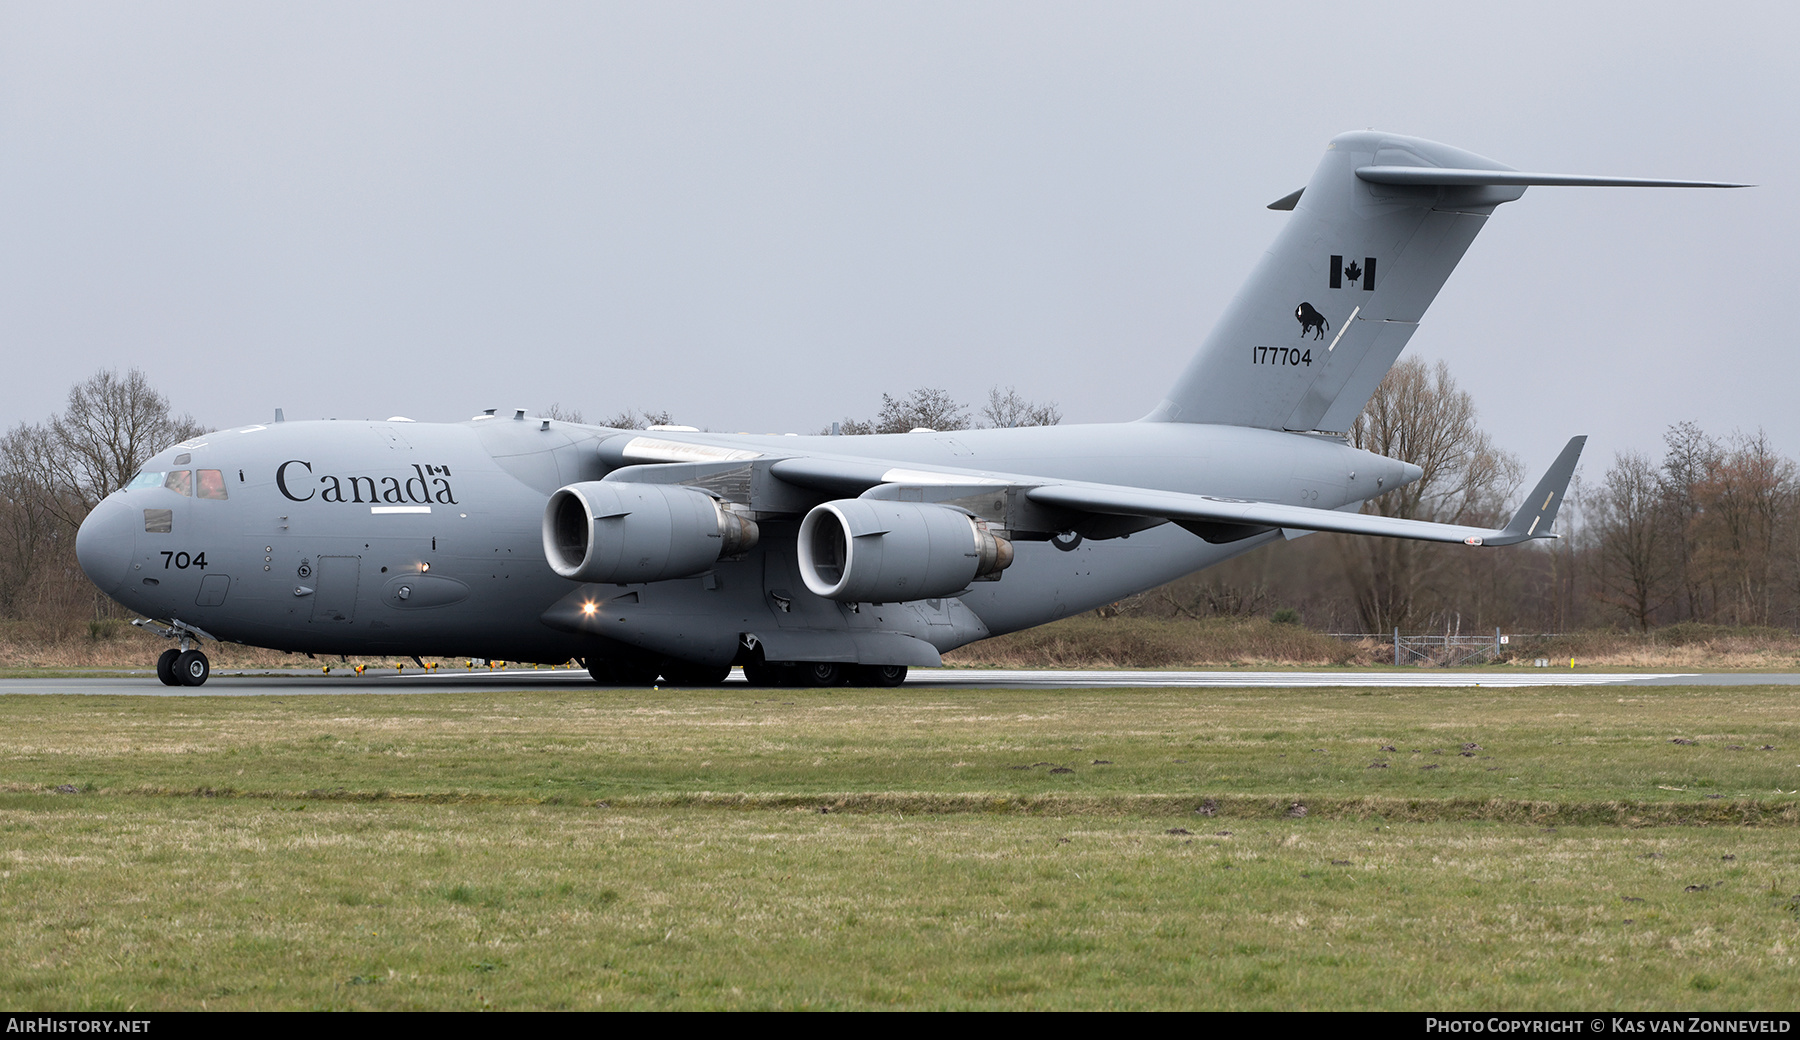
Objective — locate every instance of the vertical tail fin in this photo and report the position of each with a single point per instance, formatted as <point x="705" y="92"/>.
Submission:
<point x="1325" y="314"/>
<point x="1323" y="317"/>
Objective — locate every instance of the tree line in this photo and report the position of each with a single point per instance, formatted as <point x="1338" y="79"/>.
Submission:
<point x="1708" y="532"/>
<point x="924" y="408"/>
<point x="53" y="472"/>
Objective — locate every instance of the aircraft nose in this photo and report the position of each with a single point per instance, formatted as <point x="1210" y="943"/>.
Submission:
<point x="106" y="541"/>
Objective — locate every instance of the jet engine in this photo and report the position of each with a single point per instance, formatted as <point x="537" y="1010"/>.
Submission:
<point x="619" y="532"/>
<point x="867" y="551"/>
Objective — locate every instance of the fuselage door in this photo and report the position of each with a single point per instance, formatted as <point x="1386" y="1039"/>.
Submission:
<point x="334" y="596"/>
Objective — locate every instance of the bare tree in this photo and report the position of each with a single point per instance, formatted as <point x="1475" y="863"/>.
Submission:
<point x="930" y="408"/>
<point x="560" y="414"/>
<point x="1691" y="455"/>
<point x="30" y="520"/>
<point x="1636" y="571"/>
<point x="1743" y="500"/>
<point x="1419" y="415"/>
<point x="925" y="408"/>
<point x="112" y="424"/>
<point x="1007" y="409"/>
<point x="636" y="419"/>
<point x="54" y="472"/>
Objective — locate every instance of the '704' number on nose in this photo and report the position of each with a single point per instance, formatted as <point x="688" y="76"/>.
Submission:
<point x="182" y="561"/>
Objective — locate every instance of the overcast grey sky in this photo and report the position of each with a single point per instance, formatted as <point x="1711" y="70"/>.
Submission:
<point x="762" y="216"/>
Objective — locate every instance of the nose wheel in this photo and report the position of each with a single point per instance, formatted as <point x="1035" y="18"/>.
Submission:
<point x="165" y="667"/>
<point x="183" y="667"/>
<point x="192" y="668"/>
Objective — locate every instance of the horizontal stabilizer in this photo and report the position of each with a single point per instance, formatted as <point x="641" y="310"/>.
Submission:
<point x="1227" y="519"/>
<point x="1370" y="240"/>
<point x="1288" y="201"/>
<point x="1437" y="176"/>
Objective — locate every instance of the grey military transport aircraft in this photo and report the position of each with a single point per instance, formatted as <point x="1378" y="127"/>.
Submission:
<point x="822" y="560"/>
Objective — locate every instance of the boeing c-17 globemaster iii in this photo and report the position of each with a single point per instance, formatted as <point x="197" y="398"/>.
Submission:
<point x="822" y="560"/>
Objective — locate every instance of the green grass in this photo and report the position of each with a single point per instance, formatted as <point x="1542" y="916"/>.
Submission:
<point x="1587" y="746"/>
<point x="660" y="849"/>
<point x="116" y="902"/>
<point x="1087" y="641"/>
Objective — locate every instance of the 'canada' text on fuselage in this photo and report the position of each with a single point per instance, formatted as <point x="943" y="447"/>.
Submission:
<point x="391" y="490"/>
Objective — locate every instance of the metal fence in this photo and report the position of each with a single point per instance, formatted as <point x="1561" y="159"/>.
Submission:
<point x="1443" y="651"/>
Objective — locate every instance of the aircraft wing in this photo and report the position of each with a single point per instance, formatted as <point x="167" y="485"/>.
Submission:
<point x="1213" y="518"/>
<point x="1237" y="518"/>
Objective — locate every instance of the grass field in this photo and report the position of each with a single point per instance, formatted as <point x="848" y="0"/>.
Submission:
<point x="914" y="848"/>
<point x="1084" y="641"/>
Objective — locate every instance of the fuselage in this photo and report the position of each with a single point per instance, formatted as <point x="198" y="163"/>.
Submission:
<point x="357" y="537"/>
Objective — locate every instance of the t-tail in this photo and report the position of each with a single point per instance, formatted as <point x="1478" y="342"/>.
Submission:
<point x="1373" y="236"/>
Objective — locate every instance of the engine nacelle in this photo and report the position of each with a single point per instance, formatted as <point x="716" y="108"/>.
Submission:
<point x="614" y="531"/>
<point x="866" y="551"/>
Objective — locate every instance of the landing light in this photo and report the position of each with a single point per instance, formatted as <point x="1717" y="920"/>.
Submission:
<point x="587" y="608"/>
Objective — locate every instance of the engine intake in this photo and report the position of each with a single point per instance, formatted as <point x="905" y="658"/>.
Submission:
<point x="867" y="551"/>
<point x="613" y="531"/>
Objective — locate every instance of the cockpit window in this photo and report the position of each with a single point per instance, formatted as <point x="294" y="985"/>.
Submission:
<point x="181" y="481"/>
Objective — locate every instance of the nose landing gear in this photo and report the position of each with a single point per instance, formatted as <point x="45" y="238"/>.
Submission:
<point x="183" y="666"/>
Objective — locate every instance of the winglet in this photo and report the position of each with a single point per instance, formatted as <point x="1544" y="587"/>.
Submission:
<point x="1534" y="518"/>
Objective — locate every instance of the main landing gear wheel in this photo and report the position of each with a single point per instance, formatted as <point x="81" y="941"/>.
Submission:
<point x="762" y="673"/>
<point x="622" y="672"/>
<point x="165" y="667"/>
<point x="879" y="674"/>
<point x="192" y="668"/>
<point x="688" y="673"/>
<point x="820" y="673"/>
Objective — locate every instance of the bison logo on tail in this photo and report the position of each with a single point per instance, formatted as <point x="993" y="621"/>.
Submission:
<point x="1311" y="321"/>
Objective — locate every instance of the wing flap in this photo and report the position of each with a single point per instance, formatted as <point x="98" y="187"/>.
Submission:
<point x="1232" y="515"/>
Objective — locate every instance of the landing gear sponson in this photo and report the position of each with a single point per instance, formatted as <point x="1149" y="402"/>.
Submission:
<point x="644" y="672"/>
<point x="823" y="673"/>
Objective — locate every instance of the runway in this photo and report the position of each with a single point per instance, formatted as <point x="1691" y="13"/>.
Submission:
<point x="296" y="682"/>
